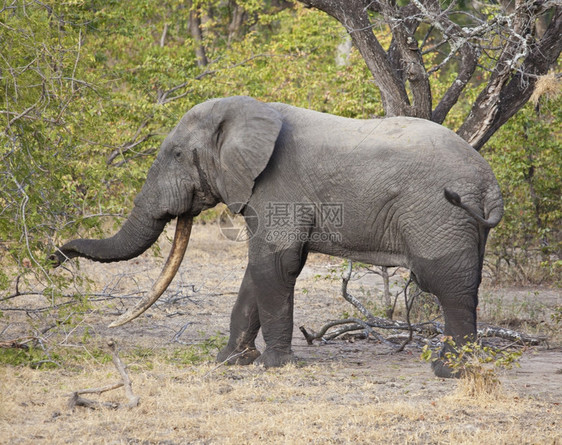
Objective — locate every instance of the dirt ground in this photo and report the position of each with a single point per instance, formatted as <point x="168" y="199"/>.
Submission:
<point x="339" y="392"/>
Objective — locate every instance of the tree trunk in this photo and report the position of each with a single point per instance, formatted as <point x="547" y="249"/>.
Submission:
<point x="527" y="54"/>
<point x="195" y="30"/>
<point x="505" y="93"/>
<point x="355" y="19"/>
<point x="238" y="17"/>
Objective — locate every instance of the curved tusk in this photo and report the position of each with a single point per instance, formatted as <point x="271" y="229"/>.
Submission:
<point x="181" y="239"/>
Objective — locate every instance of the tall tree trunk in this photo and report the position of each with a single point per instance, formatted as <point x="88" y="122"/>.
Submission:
<point x="238" y="17"/>
<point x="195" y="30"/>
<point x="526" y="55"/>
<point x="354" y="17"/>
<point x="507" y="93"/>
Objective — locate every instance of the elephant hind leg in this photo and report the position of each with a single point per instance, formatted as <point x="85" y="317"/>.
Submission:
<point x="454" y="280"/>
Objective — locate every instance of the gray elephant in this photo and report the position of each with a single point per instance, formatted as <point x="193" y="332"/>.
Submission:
<point x="392" y="192"/>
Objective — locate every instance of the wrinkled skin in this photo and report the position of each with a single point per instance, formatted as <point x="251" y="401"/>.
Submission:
<point x="390" y="192"/>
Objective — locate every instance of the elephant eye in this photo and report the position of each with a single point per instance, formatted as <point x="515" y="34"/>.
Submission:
<point x="177" y="154"/>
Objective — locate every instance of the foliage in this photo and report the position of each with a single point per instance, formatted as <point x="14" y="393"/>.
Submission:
<point x="89" y="89"/>
<point x="556" y="316"/>
<point x="476" y="364"/>
<point x="199" y="353"/>
<point x="526" y="156"/>
<point x="41" y="354"/>
<point x="82" y="87"/>
<point x="34" y="357"/>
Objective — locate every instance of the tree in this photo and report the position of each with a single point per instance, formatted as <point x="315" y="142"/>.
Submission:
<point x="89" y="89"/>
<point x="510" y="44"/>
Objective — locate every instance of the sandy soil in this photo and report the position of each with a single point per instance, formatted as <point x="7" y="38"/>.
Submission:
<point x="201" y="297"/>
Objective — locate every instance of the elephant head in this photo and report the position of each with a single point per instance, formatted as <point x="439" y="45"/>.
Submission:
<point x="214" y="155"/>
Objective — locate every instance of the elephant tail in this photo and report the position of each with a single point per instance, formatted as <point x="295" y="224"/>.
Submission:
<point x="493" y="218"/>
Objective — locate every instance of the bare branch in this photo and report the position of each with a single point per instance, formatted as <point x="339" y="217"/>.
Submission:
<point x="133" y="399"/>
<point x="163" y="36"/>
<point x="507" y="40"/>
<point x="424" y="330"/>
<point x="122" y="149"/>
<point x="510" y="87"/>
<point x="76" y="400"/>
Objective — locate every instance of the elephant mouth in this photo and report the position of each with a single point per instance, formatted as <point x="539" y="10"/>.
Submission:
<point x="179" y="246"/>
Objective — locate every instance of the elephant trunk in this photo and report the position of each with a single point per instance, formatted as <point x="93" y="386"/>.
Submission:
<point x="136" y="235"/>
<point x="181" y="239"/>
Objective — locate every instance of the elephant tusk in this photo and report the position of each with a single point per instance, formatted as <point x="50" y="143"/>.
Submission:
<point x="181" y="239"/>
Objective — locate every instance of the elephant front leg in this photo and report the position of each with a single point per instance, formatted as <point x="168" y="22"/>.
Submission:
<point x="276" y="314"/>
<point x="244" y="327"/>
<point x="275" y="276"/>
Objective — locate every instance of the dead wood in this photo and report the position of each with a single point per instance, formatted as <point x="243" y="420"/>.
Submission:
<point x="424" y="331"/>
<point x="77" y="400"/>
<point x="133" y="399"/>
<point x="18" y="343"/>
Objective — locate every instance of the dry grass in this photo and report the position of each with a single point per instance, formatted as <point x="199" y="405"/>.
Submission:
<point x="481" y="384"/>
<point x="344" y="393"/>
<point x="547" y="85"/>
<point x="311" y="404"/>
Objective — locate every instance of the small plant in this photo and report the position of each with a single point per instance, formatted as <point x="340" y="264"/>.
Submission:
<point x="200" y="352"/>
<point x="557" y="315"/>
<point x="28" y="355"/>
<point x="476" y="364"/>
<point x="213" y="344"/>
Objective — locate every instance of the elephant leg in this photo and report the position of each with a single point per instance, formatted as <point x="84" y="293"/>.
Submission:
<point x="454" y="280"/>
<point x="276" y="276"/>
<point x="244" y="326"/>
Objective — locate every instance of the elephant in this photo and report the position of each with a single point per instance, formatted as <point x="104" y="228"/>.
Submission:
<point x="395" y="191"/>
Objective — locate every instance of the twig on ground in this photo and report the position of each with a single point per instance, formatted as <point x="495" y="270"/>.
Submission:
<point x="133" y="399"/>
<point x="230" y="357"/>
<point x="76" y="400"/>
<point x="180" y="333"/>
<point x="18" y="343"/>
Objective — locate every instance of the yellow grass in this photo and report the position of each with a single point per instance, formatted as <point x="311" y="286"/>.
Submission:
<point x="318" y="404"/>
<point x="547" y="85"/>
<point x="348" y="392"/>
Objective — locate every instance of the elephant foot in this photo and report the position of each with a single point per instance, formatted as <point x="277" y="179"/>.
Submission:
<point x="274" y="358"/>
<point x="232" y="356"/>
<point x="440" y="369"/>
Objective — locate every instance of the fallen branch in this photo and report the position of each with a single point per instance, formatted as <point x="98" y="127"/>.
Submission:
<point x="511" y="335"/>
<point x="133" y="400"/>
<point x="76" y="400"/>
<point x="17" y="343"/>
<point x="424" y="330"/>
<point x="428" y="328"/>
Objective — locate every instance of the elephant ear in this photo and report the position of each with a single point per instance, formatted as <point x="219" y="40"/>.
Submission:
<point x="245" y="138"/>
